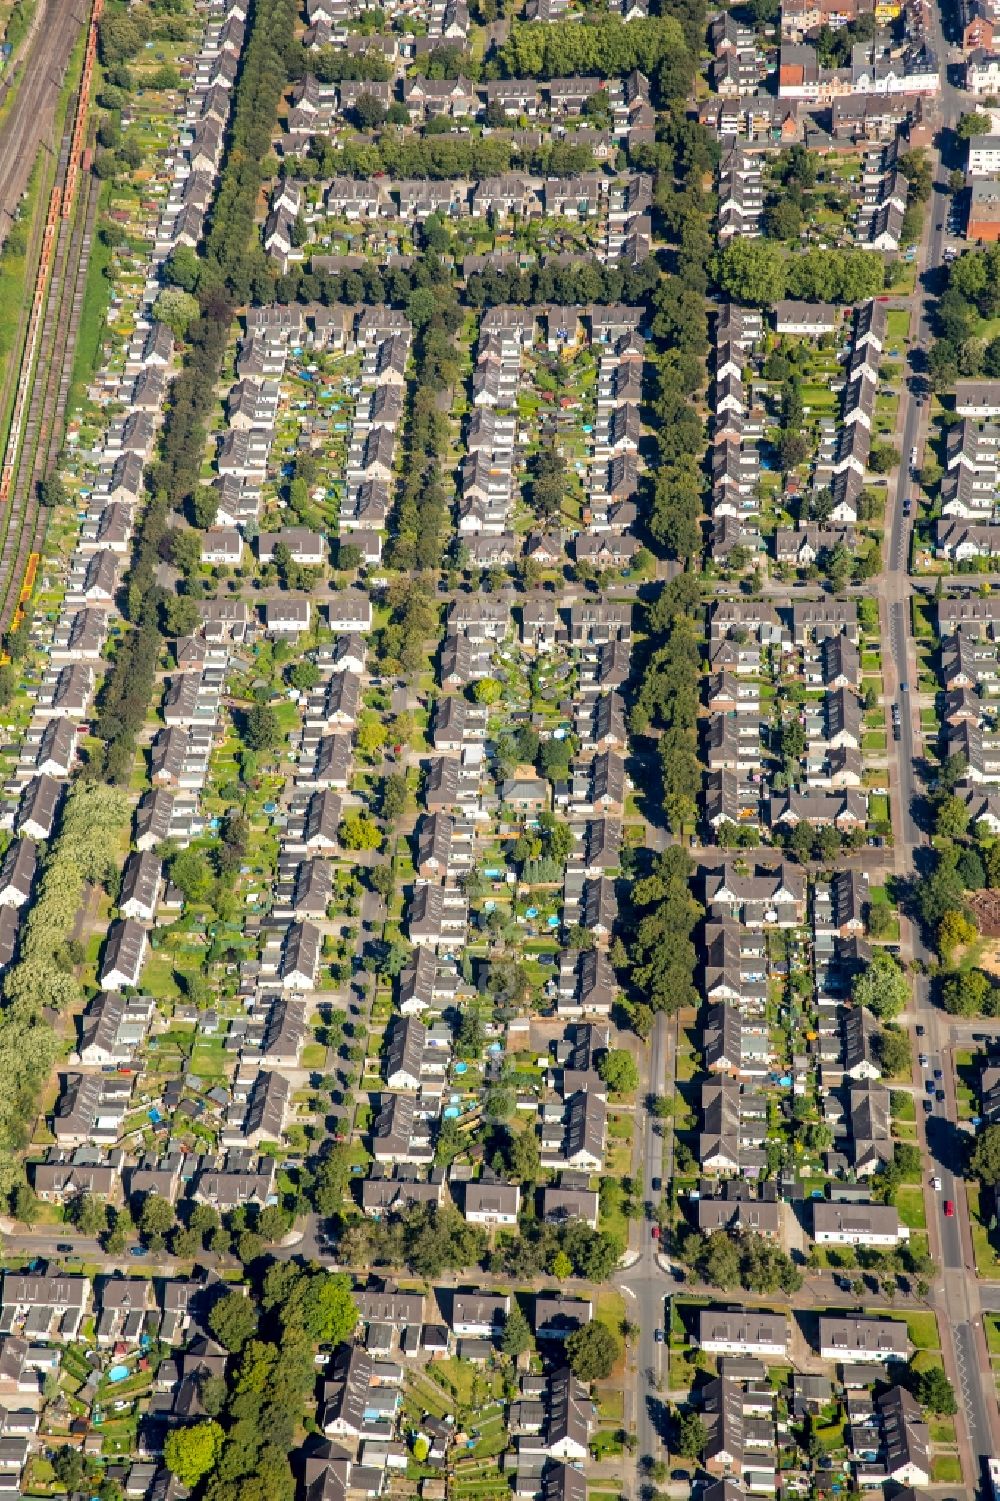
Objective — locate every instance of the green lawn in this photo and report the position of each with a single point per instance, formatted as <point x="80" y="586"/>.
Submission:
<point x="611" y="1406"/>
<point x="991" y="1323"/>
<point x="910" y="1203"/>
<point x="987" y="1261"/>
<point x="878" y="808"/>
<point x="96" y="297"/>
<point x="923" y="1330"/>
<point x="946" y="1469"/>
<point x="830" y="1435"/>
<point x="907" y="1110"/>
<point x="898" y="324"/>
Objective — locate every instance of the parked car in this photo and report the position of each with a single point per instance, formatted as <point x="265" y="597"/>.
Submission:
<point x="936" y="1183"/>
<point x="949" y="1209"/>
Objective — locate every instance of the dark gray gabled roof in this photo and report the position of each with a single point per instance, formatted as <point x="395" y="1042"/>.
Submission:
<point x="17" y="873"/>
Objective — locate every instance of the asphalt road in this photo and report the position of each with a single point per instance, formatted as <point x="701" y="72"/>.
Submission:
<point x="645" y="1284"/>
<point x="957" y="1294"/>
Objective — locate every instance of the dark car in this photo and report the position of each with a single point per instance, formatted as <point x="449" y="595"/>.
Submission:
<point x="938" y="1074"/>
<point x="939" y="1096"/>
<point x="929" y="1086"/>
<point x="919" y="1031"/>
<point x="63" y="1248"/>
<point x="656" y="1184"/>
<point x="928" y="1107"/>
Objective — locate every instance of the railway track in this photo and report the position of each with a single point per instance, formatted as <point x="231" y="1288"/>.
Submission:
<point x="29" y="122"/>
<point x="39" y="415"/>
<point x="44" y="418"/>
<point x="79" y="137"/>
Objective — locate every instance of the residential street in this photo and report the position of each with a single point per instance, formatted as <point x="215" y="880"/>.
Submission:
<point x="956" y="1292"/>
<point x="644" y="1282"/>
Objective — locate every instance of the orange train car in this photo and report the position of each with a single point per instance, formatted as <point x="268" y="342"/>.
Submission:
<point x="23" y="599"/>
<point x="78" y="157"/>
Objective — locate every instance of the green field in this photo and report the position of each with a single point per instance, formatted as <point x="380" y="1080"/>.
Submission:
<point x="96" y="299"/>
<point x="910" y="1203"/>
<point x="923" y="1330"/>
<point x="946" y="1469"/>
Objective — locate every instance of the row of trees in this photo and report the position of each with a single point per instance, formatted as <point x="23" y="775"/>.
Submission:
<point x="223" y="273"/>
<point x="680" y="329"/>
<point x="234" y="251"/>
<point x="668" y="695"/>
<point x="268" y="1388"/>
<point x="401" y="644"/>
<point x="605" y="45"/>
<point x="972" y="292"/>
<point x="966" y="860"/>
<point x="748" y="1261"/>
<point x="586" y="280"/>
<point x="85" y="850"/>
<point x="940" y="898"/>
<point x="422" y="519"/>
<point x="662" y="951"/>
<point x="758" y="273"/>
<point x="337" y="65"/>
<point x="151" y="611"/>
<point x="436" y="154"/>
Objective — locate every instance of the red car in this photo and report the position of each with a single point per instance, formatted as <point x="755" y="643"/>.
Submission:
<point x="949" y="1209"/>
<point x="656" y="1232"/>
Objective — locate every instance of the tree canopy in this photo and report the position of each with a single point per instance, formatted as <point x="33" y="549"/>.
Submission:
<point x="882" y="986"/>
<point x="592" y="1351"/>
